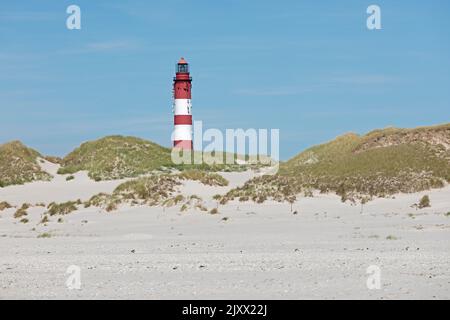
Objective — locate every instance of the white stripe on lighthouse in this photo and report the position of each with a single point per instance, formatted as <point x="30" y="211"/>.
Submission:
<point x="182" y="107"/>
<point x="182" y="132"/>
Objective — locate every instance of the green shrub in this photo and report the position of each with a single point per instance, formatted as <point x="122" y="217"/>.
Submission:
<point x="62" y="208"/>
<point x="44" y="235"/>
<point x="424" y="202"/>
<point x="21" y="212"/>
<point x="4" y="205"/>
<point x="211" y="179"/>
<point x="44" y="220"/>
<point x="97" y="200"/>
<point x="178" y="199"/>
<point x="201" y="207"/>
<point x="111" y="207"/>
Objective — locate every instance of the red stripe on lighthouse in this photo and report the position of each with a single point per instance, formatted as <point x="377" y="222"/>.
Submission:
<point x="183" y="119"/>
<point x="182" y="90"/>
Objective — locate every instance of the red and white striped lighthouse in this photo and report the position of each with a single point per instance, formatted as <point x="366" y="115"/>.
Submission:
<point x="182" y="107"/>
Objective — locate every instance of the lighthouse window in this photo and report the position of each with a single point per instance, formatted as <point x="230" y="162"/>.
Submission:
<point x="182" y="68"/>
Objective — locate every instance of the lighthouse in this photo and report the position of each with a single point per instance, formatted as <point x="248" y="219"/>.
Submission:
<point x="182" y="107"/>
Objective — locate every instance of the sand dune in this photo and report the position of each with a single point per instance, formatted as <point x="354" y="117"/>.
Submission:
<point x="58" y="189"/>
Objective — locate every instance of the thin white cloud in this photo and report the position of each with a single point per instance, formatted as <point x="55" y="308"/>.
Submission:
<point x="369" y="79"/>
<point x="103" y="46"/>
<point x="27" y="16"/>
<point x="280" y="91"/>
<point x="326" y="83"/>
<point x="110" y="45"/>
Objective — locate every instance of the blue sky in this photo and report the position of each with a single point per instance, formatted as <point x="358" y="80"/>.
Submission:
<point x="310" y="68"/>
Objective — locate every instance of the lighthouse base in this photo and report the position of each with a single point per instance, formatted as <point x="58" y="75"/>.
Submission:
<point x="183" y="144"/>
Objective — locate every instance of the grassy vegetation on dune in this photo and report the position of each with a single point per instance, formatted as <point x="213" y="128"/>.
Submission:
<point x="152" y="189"/>
<point x="62" y="208"/>
<point x="222" y="162"/>
<point x="436" y="137"/>
<point x="53" y="159"/>
<point x="348" y="165"/>
<point x="116" y="157"/>
<point x="4" y="205"/>
<point x="18" y="165"/>
<point x="211" y="179"/>
<point x="262" y="188"/>
<point x="381" y="163"/>
<point x="22" y="211"/>
<point x="156" y="190"/>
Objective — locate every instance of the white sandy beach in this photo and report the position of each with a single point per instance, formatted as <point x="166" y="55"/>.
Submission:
<point x="247" y="251"/>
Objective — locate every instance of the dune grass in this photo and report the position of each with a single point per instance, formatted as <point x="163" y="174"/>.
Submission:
<point x="44" y="235"/>
<point x="379" y="164"/>
<point x="21" y="212"/>
<point x="424" y="202"/>
<point x="152" y="189"/>
<point x="4" y="205"/>
<point x="44" y="219"/>
<point x="391" y="237"/>
<point x="115" y="157"/>
<point x="53" y="159"/>
<point x="19" y="165"/>
<point x="62" y="208"/>
<point x="158" y="189"/>
<point x="211" y="179"/>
